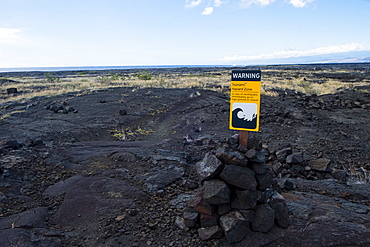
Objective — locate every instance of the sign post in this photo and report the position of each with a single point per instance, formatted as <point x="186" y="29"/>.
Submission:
<point x="245" y="100"/>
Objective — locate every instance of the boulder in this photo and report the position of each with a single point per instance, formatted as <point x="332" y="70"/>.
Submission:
<point x="283" y="152"/>
<point x="180" y="223"/>
<point x="260" y="168"/>
<point x="223" y="209"/>
<point x="244" y="199"/>
<point x="294" y="158"/>
<point x="235" y="226"/>
<point x="209" y="167"/>
<point x="289" y="185"/>
<point x="263" y="219"/>
<point x="251" y="153"/>
<point x="208" y="233"/>
<point x="190" y="218"/>
<point x="258" y="156"/>
<point x="264" y="181"/>
<point x="321" y="165"/>
<point x="241" y="177"/>
<point x="216" y="192"/>
<point x="209" y="220"/>
<point x="248" y="214"/>
<point x="297" y="169"/>
<point x="277" y="167"/>
<point x="280" y="207"/>
<point x="200" y="205"/>
<point x="231" y="157"/>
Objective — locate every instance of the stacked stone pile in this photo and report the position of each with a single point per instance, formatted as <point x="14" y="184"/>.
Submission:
<point x="330" y="103"/>
<point x="61" y="107"/>
<point x="238" y="194"/>
<point x="287" y="163"/>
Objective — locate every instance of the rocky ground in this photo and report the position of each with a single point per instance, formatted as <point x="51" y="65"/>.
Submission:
<point x="115" y="167"/>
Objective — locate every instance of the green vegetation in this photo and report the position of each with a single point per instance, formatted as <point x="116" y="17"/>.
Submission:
<point x="129" y="133"/>
<point x="50" y="77"/>
<point x="112" y="77"/>
<point x="145" y="75"/>
<point x="104" y="79"/>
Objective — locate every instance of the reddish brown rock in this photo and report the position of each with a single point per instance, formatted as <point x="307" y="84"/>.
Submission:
<point x="201" y="206"/>
<point x="209" y="220"/>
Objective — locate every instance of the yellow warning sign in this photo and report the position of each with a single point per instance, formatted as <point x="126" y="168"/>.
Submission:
<point x="245" y="100"/>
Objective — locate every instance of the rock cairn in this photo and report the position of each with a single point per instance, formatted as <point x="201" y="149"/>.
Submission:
<point x="238" y="194"/>
<point x="61" y="107"/>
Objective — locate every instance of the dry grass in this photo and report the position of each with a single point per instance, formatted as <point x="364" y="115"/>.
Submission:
<point x="304" y="81"/>
<point x="32" y="87"/>
<point x="310" y="83"/>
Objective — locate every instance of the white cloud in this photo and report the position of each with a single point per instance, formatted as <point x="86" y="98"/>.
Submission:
<point x="247" y="3"/>
<point x="218" y="3"/>
<point x="207" y="11"/>
<point x="192" y="4"/>
<point x="300" y="3"/>
<point x="9" y="35"/>
<point x="288" y="54"/>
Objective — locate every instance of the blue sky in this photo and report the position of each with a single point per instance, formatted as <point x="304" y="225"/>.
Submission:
<point x="45" y="33"/>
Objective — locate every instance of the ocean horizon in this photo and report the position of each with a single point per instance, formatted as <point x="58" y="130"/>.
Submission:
<point x="127" y="67"/>
<point x="81" y="68"/>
